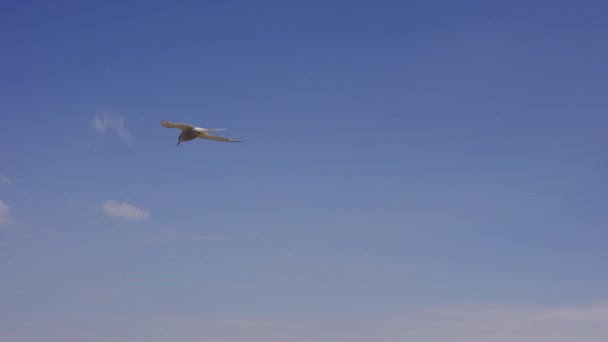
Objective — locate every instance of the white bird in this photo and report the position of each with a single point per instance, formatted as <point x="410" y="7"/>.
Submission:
<point x="190" y="132"/>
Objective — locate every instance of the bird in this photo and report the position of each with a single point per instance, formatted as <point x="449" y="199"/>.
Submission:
<point x="190" y="132"/>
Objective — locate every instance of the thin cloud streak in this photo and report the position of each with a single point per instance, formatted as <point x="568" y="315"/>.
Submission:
<point x="124" y="210"/>
<point x="111" y="122"/>
<point x="5" y="180"/>
<point x="5" y="215"/>
<point x="497" y="323"/>
<point x="476" y="323"/>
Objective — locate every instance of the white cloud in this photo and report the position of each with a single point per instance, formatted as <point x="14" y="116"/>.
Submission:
<point x="111" y="122"/>
<point x="124" y="210"/>
<point x="5" y="214"/>
<point x="5" y="180"/>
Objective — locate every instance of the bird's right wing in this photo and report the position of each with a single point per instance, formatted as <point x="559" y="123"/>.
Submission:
<point x="175" y="125"/>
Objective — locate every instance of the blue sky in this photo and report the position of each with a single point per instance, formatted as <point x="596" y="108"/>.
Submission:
<point x="410" y="170"/>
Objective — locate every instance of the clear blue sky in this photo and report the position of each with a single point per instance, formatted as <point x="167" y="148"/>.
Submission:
<point x="398" y="157"/>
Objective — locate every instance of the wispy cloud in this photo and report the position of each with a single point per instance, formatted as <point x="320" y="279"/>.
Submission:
<point x="5" y="180"/>
<point x="477" y="323"/>
<point x="112" y="122"/>
<point x="497" y="323"/>
<point x="5" y="214"/>
<point x="124" y="210"/>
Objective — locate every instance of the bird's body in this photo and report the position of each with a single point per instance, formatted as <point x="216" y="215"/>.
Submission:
<point x="190" y="132"/>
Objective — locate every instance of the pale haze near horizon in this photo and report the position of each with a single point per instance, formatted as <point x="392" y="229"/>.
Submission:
<point x="422" y="171"/>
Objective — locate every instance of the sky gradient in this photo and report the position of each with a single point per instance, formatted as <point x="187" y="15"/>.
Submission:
<point x="410" y="170"/>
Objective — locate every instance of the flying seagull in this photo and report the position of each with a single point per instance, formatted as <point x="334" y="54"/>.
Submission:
<point x="190" y="132"/>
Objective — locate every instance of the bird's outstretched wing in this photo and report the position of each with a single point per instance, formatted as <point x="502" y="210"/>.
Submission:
<point x="176" y="125"/>
<point x="215" y="137"/>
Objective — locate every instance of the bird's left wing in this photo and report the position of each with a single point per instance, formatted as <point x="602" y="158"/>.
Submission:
<point x="215" y="137"/>
<point x="175" y="125"/>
